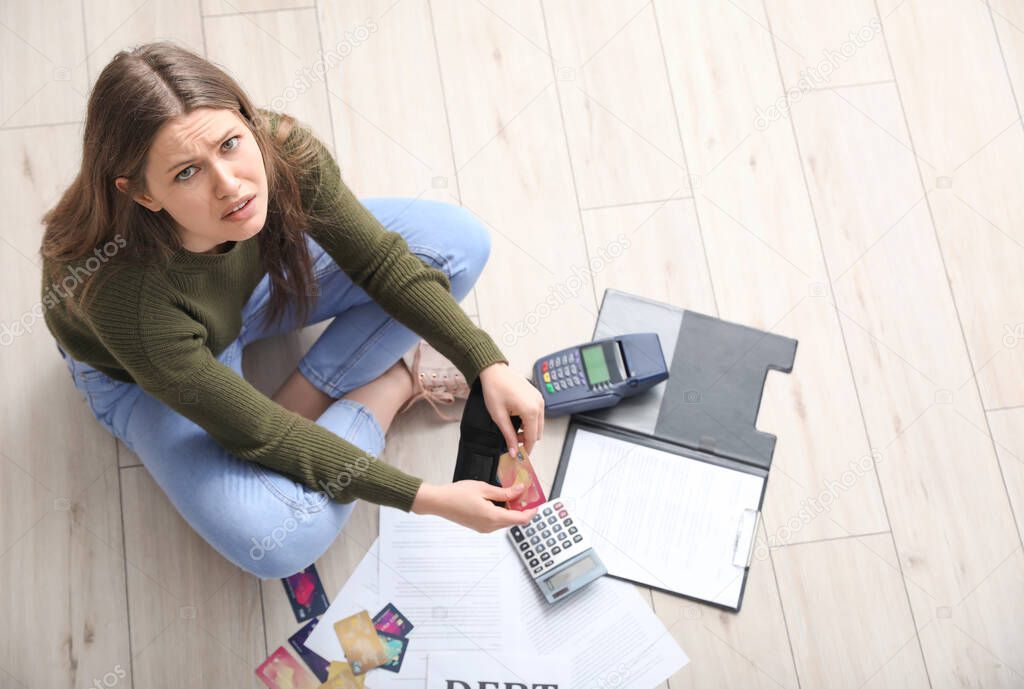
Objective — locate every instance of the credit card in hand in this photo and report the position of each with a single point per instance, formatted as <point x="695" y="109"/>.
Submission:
<point x="512" y="470"/>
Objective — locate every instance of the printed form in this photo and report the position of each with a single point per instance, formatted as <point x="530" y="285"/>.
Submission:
<point x="662" y="519"/>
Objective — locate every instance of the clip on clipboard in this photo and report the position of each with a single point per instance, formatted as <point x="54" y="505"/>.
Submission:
<point x="674" y="478"/>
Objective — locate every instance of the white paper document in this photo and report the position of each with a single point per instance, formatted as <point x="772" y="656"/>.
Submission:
<point x="468" y="593"/>
<point x="608" y="631"/>
<point x="662" y="519"/>
<point x="451" y="582"/>
<point x="474" y="669"/>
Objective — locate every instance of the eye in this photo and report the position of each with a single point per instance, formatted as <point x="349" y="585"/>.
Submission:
<point x="179" y="177"/>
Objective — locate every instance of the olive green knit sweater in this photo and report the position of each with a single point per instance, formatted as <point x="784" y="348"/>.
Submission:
<point x="163" y="328"/>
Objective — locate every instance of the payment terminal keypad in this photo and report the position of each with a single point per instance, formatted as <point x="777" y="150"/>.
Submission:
<point x="563" y="371"/>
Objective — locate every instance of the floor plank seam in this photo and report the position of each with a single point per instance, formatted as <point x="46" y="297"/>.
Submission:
<point x="242" y="13"/>
<point x="686" y="160"/>
<point x="636" y="203"/>
<point x="568" y="155"/>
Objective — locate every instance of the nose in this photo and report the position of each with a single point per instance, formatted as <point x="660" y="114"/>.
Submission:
<point x="227" y="184"/>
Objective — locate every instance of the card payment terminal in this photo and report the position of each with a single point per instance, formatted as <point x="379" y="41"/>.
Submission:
<point x="600" y="373"/>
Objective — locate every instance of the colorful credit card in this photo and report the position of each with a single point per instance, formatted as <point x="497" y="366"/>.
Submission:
<point x="306" y="594"/>
<point x="282" y="671"/>
<point x="315" y="663"/>
<point x="512" y="470"/>
<point x="394" y="647"/>
<point x="391" y="621"/>
<point x="364" y="650"/>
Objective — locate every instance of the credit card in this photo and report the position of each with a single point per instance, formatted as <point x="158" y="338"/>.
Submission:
<point x="394" y="647"/>
<point x="315" y="663"/>
<point x="364" y="650"/>
<point x="336" y="668"/>
<point x="306" y="594"/>
<point x="282" y="671"/>
<point x="512" y="470"/>
<point x="391" y="621"/>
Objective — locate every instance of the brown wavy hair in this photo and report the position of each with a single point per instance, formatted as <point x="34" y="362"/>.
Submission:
<point x="135" y="95"/>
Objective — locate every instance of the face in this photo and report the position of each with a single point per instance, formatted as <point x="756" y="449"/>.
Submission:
<point x="199" y="167"/>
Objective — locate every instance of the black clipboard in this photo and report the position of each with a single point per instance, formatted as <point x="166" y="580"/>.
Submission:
<point x="707" y="409"/>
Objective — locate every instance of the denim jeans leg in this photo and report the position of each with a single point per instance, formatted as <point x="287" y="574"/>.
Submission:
<point x="365" y="341"/>
<point x="264" y="522"/>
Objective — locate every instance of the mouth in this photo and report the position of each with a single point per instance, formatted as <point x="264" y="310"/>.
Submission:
<point x="240" y="206"/>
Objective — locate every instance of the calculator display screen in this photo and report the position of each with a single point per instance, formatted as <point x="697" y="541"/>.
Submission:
<point x="595" y="364"/>
<point x="574" y="571"/>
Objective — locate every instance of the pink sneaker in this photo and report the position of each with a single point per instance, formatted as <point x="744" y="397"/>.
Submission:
<point x="435" y="379"/>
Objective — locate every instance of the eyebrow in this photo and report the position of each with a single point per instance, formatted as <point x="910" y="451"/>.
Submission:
<point x="187" y="162"/>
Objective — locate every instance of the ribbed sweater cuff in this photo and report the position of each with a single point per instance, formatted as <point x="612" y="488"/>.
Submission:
<point x="480" y="354"/>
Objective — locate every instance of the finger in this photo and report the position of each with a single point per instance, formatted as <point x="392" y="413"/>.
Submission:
<point x="512" y="517"/>
<point x="530" y="426"/>
<point x="492" y="492"/>
<point x="505" y="426"/>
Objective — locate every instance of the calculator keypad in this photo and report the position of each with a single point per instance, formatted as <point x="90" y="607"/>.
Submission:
<point x="563" y="372"/>
<point x="554" y="538"/>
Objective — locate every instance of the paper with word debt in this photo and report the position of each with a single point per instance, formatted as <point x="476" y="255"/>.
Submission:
<point x="476" y="669"/>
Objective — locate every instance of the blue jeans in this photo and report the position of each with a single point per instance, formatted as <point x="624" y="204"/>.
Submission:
<point x="264" y="522"/>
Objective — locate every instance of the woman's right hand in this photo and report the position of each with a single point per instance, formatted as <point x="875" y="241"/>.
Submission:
<point x="469" y="503"/>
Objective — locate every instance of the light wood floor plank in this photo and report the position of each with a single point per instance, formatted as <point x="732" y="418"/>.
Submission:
<point x="196" y="618"/>
<point x="1008" y="19"/>
<point x="61" y="557"/>
<point x="933" y="456"/>
<point x="114" y="25"/>
<point x="386" y="101"/>
<point x="1008" y="436"/>
<point x="946" y="59"/>
<point x="42" y="48"/>
<point x="614" y="94"/>
<point x="875" y="645"/>
<point x="828" y="44"/>
<point x="759" y="230"/>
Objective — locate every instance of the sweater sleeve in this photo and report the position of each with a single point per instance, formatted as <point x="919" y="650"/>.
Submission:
<point x="380" y="261"/>
<point x="165" y="352"/>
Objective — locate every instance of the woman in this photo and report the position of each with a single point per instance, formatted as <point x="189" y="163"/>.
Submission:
<point x="198" y="224"/>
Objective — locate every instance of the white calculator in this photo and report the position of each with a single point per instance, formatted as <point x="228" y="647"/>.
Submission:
<point x="557" y="554"/>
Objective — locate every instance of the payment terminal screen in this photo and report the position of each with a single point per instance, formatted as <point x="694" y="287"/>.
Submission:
<point x="594" y="362"/>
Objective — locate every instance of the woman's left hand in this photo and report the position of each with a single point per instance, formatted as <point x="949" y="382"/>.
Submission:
<point x="507" y="394"/>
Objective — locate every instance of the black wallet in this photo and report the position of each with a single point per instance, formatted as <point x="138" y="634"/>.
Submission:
<point x="480" y="442"/>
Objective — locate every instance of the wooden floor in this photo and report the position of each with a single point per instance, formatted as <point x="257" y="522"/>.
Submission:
<point x="845" y="172"/>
